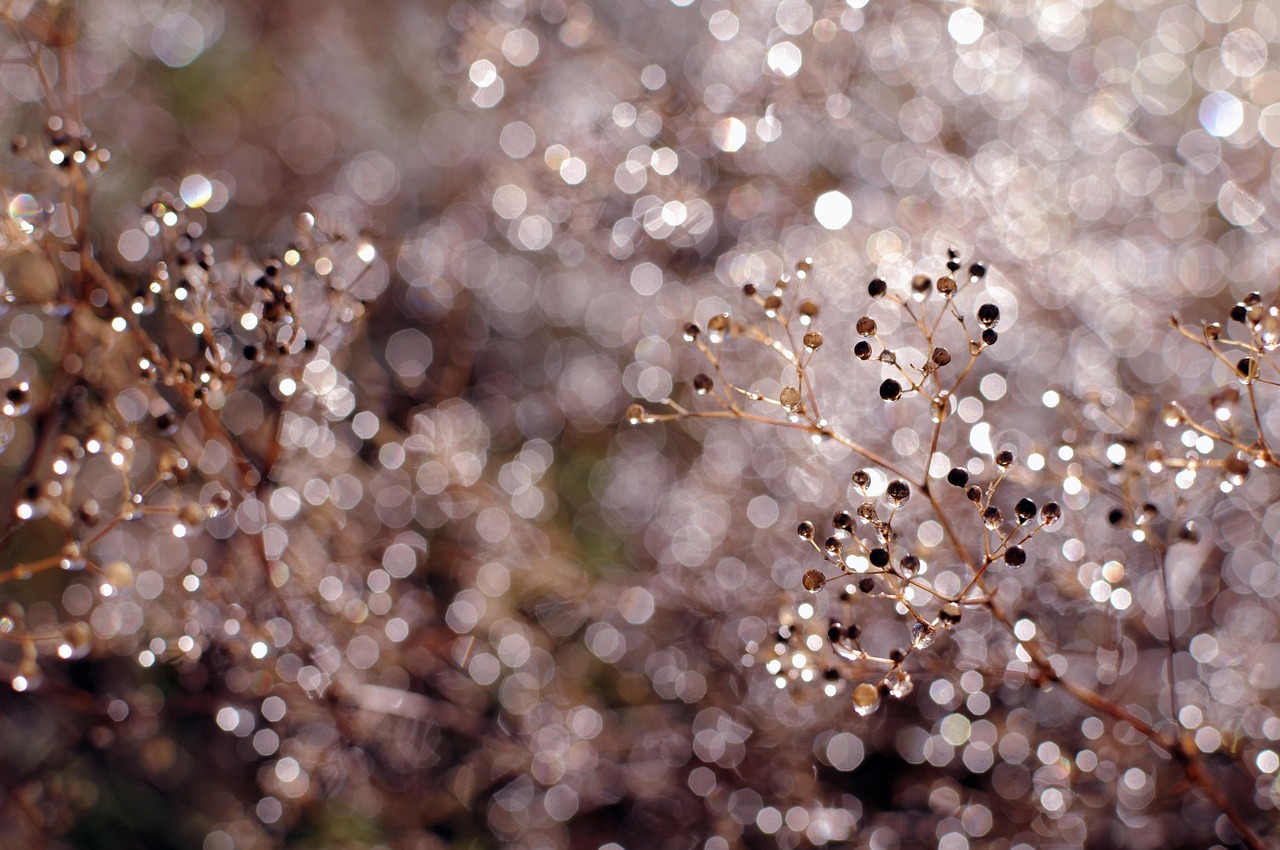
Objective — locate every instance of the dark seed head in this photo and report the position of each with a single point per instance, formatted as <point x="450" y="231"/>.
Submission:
<point x="890" y="390"/>
<point x="1239" y="313"/>
<point x="879" y="559"/>
<point x="898" y="492"/>
<point x="1015" y="556"/>
<point x="988" y="315"/>
<point x="974" y="493"/>
<point x="862" y="479"/>
<point x="1025" y="509"/>
<point x="947" y="285"/>
<point x="877" y="288"/>
<point x="862" y="350"/>
<point x="990" y="337"/>
<point x="949" y="613"/>
<point x="805" y="530"/>
<point x="867" y="585"/>
<point x="1004" y="459"/>
<point x="921" y="284"/>
<point x="702" y="383"/>
<point x="1050" y="513"/>
<point x="958" y="477"/>
<point x="941" y="357"/>
<point x="1117" y="516"/>
<point x="866" y="326"/>
<point x="977" y="271"/>
<point x="910" y="564"/>
<point x="896" y="656"/>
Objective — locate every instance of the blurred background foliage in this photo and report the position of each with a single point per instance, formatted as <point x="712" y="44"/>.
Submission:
<point x="553" y="189"/>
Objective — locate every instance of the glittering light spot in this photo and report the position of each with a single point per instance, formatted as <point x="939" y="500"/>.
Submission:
<point x="729" y="135"/>
<point x="965" y="26"/>
<point x="833" y="210"/>
<point x="1221" y="114"/>
<point x="133" y="245"/>
<point x="784" y="59"/>
<point x="196" y="191"/>
<point x="573" y="171"/>
<point x="22" y="209"/>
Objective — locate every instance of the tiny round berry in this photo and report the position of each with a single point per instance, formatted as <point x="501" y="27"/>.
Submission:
<point x="866" y="696"/>
<point x="866" y="326"/>
<point x="1239" y="313"/>
<point x="1015" y="556"/>
<point x="867" y="585"/>
<point x="896" y="656"/>
<point x="834" y="632"/>
<point x="843" y="521"/>
<point x="890" y="390"/>
<point x="1004" y="459"/>
<point x="947" y="285"/>
<point x="879" y="559"/>
<point x="702" y="383"/>
<point x="862" y="350"/>
<point x="862" y="479"/>
<point x="1025" y="509"/>
<point x="877" y="288"/>
<point x="1050" y="513"/>
<point x="949" y="613"/>
<point x="941" y="357"/>
<point x="898" y="492"/>
<point x="805" y="530"/>
<point x="813" y="340"/>
<point x="958" y="477"/>
<point x="974" y="493"/>
<point x="990" y="337"/>
<point x="977" y="271"/>
<point x="910" y="565"/>
<point x="921" y="284"/>
<point x="988" y="315"/>
<point x="1117" y="516"/>
<point x="1188" y="533"/>
<point x="691" y="332"/>
<point x="814" y="581"/>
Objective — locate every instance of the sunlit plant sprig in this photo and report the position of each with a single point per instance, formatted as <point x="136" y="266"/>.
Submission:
<point x="865" y="554"/>
<point x="1245" y="344"/>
